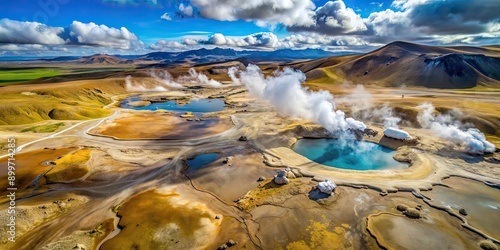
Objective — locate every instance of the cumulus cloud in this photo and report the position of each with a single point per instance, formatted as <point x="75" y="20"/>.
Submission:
<point x="434" y="20"/>
<point x="334" y="18"/>
<point x="429" y="21"/>
<point x="164" y="45"/>
<point x="455" y="16"/>
<point x="101" y="35"/>
<point x="16" y="32"/>
<point x="268" y="41"/>
<point x="186" y="10"/>
<point x="269" y="12"/>
<point x="262" y="39"/>
<point x="308" y="39"/>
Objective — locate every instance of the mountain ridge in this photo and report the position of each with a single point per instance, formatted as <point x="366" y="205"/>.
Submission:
<point x="401" y="63"/>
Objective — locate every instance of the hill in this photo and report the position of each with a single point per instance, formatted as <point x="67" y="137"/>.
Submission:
<point x="407" y="64"/>
<point x="100" y="59"/>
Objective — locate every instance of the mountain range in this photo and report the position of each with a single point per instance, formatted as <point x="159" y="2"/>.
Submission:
<point x="200" y="56"/>
<point x="400" y="64"/>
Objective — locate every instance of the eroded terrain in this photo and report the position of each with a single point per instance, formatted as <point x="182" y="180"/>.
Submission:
<point x="124" y="182"/>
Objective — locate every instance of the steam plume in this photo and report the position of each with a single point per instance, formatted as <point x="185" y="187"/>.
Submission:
<point x="471" y="139"/>
<point x="166" y="78"/>
<point x="202" y="78"/>
<point x="130" y="86"/>
<point x="362" y="107"/>
<point x="286" y="93"/>
<point x="232" y="74"/>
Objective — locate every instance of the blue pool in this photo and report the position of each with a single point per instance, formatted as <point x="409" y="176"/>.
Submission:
<point x="196" y="106"/>
<point x="348" y="154"/>
<point x="200" y="161"/>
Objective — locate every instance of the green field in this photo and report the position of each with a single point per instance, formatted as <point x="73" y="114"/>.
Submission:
<point x="13" y="75"/>
<point x="44" y="128"/>
<point x="10" y="75"/>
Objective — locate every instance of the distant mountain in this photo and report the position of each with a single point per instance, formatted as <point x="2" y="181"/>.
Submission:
<point x="408" y="64"/>
<point x="220" y="54"/>
<point x="61" y="58"/>
<point x="100" y="59"/>
<point x="198" y="56"/>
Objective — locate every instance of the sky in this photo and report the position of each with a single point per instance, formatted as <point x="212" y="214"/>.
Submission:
<point x="85" y="27"/>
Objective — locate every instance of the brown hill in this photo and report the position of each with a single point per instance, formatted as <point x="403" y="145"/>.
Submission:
<point x="100" y="59"/>
<point x="406" y="64"/>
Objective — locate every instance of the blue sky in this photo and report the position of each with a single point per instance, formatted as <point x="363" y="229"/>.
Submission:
<point x="95" y="26"/>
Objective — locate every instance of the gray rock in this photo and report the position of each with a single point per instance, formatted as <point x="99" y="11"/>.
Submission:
<point x="222" y="247"/>
<point x="231" y="243"/>
<point x="281" y="178"/>
<point x="79" y="247"/>
<point x="462" y="212"/>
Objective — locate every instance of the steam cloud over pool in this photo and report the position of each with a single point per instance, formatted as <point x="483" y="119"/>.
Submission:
<point x="285" y="92"/>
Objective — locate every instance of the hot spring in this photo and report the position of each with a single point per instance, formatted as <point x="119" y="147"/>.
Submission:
<point x="200" y="161"/>
<point x="196" y="106"/>
<point x="348" y="154"/>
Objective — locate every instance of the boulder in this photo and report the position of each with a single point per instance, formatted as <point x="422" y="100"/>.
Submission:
<point x="412" y="213"/>
<point x="326" y="187"/>
<point x="281" y="178"/>
<point x="462" y="212"/>
<point x="401" y="207"/>
<point x="231" y="243"/>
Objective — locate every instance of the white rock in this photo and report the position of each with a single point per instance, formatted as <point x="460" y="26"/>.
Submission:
<point x="327" y="186"/>
<point x="396" y="133"/>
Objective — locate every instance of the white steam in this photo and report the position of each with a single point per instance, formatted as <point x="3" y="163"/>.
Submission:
<point x="447" y="127"/>
<point x="166" y="78"/>
<point x="232" y="74"/>
<point x="362" y="107"/>
<point x="139" y="87"/>
<point x="202" y="78"/>
<point x="286" y="93"/>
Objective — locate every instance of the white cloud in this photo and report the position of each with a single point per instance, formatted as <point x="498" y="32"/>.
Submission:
<point x="77" y="33"/>
<point x="217" y="39"/>
<point x="164" y="45"/>
<point x="266" y="12"/>
<point x="388" y="23"/>
<point x="166" y="17"/>
<point x="16" y="32"/>
<point x="186" y="10"/>
<point x="102" y="35"/>
<point x="261" y="39"/>
<point x="335" y="18"/>
<point x="297" y="40"/>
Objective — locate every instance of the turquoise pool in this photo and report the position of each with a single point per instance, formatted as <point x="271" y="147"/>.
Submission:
<point x="196" y="106"/>
<point x="348" y="154"/>
<point x="200" y="161"/>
